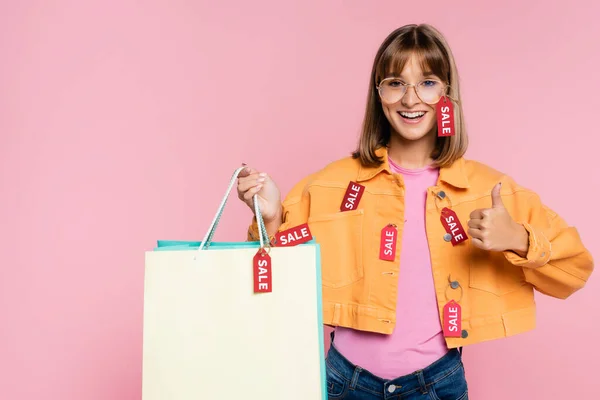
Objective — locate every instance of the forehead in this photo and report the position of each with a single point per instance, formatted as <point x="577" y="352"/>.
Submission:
<point x="412" y="64"/>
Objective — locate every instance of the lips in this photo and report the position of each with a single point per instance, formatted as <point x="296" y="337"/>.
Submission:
<point x="412" y="117"/>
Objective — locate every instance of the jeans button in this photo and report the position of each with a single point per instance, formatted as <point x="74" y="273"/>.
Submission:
<point x="392" y="388"/>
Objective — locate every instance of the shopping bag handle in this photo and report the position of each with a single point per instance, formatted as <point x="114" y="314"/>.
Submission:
<point x="262" y="230"/>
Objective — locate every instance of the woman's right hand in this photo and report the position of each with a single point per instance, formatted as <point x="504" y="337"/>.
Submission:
<point x="251" y="182"/>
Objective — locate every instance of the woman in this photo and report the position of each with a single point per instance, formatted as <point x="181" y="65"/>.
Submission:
<point x="423" y="251"/>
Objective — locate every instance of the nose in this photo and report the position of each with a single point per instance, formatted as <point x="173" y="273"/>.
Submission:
<point x="410" y="97"/>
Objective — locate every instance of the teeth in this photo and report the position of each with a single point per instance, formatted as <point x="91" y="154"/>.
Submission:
<point x="417" y="114"/>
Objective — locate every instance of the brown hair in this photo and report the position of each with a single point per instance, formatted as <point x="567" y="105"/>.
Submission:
<point x="435" y="56"/>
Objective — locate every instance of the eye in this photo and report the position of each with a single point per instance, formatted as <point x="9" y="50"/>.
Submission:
<point x="430" y="83"/>
<point x="394" y="83"/>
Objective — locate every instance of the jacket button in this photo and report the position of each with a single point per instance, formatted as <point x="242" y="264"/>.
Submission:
<point x="454" y="284"/>
<point x="543" y="254"/>
<point x="464" y="334"/>
<point x="447" y="237"/>
<point x="442" y="194"/>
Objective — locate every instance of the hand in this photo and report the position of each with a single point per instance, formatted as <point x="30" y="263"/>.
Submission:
<point x="494" y="229"/>
<point x="251" y="182"/>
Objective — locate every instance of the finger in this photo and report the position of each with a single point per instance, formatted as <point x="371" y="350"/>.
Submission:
<point x="496" y="198"/>
<point x="477" y="214"/>
<point x="249" y="182"/>
<point x="476" y="233"/>
<point x="250" y="193"/>
<point x="247" y="171"/>
<point x="475" y="223"/>
<point x="253" y="178"/>
<point x="481" y="213"/>
<point x="479" y="243"/>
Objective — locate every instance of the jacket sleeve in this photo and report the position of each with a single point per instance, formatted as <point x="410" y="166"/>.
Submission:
<point x="295" y="210"/>
<point x="557" y="263"/>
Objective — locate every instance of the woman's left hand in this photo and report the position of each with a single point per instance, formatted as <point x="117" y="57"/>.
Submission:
<point x="494" y="229"/>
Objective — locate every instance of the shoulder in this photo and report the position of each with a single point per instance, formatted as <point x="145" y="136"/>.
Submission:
<point x="341" y="170"/>
<point x="478" y="171"/>
<point x="336" y="173"/>
<point x="345" y="168"/>
<point x="482" y="176"/>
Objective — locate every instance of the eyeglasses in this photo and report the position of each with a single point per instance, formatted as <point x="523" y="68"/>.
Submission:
<point x="430" y="91"/>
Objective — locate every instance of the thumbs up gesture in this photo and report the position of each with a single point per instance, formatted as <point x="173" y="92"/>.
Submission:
<point x="494" y="229"/>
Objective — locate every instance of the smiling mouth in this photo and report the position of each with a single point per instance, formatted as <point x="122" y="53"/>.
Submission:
<point x="412" y="116"/>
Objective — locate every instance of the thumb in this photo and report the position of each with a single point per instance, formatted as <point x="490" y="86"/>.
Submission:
<point x="496" y="198"/>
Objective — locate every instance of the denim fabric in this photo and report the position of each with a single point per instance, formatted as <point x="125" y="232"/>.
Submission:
<point x="442" y="380"/>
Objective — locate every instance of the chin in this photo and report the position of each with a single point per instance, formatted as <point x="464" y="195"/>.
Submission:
<point x="412" y="135"/>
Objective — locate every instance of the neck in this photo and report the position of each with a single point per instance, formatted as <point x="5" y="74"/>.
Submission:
<point x="411" y="154"/>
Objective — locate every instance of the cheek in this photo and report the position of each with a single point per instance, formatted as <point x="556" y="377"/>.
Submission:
<point x="432" y="118"/>
<point x="387" y="112"/>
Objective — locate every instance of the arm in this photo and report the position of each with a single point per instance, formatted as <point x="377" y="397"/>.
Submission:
<point x="553" y="257"/>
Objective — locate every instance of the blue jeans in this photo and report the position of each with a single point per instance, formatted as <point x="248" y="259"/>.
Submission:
<point x="442" y="380"/>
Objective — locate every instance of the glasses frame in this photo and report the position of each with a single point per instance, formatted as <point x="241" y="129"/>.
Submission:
<point x="414" y="86"/>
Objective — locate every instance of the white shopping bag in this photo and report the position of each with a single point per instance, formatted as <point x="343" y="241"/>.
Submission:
<point x="208" y="335"/>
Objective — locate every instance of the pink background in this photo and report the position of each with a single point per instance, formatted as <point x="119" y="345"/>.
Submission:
<point x="122" y="121"/>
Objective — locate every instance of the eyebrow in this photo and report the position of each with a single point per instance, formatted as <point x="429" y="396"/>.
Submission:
<point x="426" y="75"/>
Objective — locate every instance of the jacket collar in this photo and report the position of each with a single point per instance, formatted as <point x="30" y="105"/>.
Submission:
<point x="455" y="174"/>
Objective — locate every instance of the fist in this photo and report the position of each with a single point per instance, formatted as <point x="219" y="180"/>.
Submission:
<point x="494" y="229"/>
<point x="251" y="182"/>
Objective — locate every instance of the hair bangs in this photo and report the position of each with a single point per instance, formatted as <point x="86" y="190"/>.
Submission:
<point x="430" y="56"/>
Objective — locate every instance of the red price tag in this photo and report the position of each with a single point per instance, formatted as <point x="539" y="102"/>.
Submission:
<point x="387" y="247"/>
<point x="352" y="197"/>
<point x="293" y="236"/>
<point x="445" y="117"/>
<point x="452" y="319"/>
<point x="262" y="272"/>
<point x="453" y="226"/>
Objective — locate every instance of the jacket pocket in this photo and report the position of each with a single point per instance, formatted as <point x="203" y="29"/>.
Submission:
<point x="491" y="272"/>
<point x="340" y="236"/>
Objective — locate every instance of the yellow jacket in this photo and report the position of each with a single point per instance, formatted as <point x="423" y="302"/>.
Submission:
<point x="494" y="289"/>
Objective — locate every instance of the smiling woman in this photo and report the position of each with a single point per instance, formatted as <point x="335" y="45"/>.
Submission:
<point x="404" y="285"/>
<point x="413" y="70"/>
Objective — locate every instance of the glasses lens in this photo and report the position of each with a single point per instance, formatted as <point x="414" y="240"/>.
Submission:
<point x="391" y="91"/>
<point x="430" y="91"/>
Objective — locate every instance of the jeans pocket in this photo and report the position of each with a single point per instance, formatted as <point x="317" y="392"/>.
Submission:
<point x="337" y="385"/>
<point x="451" y="387"/>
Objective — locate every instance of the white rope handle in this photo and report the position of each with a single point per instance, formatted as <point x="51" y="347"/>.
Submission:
<point x="262" y="230"/>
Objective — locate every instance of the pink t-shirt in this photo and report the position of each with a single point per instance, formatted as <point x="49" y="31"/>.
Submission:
<point x="418" y="339"/>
